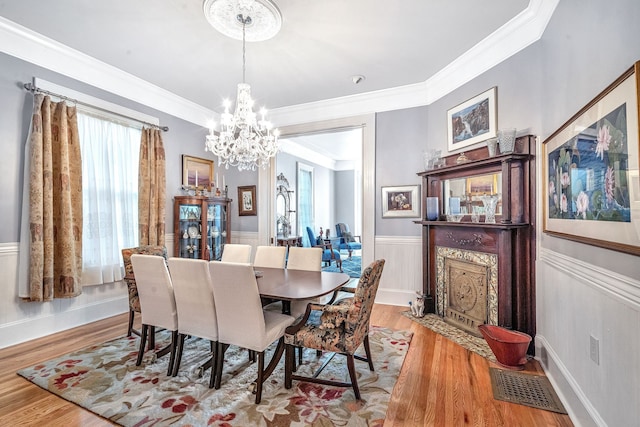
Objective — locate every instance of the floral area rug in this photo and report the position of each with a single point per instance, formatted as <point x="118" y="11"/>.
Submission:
<point x="105" y="380"/>
<point x="350" y="266"/>
<point x="435" y="323"/>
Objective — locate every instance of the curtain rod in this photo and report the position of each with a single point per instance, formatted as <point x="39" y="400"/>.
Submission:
<point x="33" y="89"/>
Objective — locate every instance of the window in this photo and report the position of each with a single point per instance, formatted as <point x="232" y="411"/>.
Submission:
<point x="305" y="200"/>
<point x="110" y="154"/>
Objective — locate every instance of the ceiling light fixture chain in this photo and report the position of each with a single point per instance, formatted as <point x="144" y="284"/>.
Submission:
<point x="243" y="141"/>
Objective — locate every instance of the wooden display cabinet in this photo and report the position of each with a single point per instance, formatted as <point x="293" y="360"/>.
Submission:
<point x="202" y="226"/>
<point x="508" y="245"/>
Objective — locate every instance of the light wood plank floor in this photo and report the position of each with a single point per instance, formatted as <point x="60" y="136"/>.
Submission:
<point x="441" y="384"/>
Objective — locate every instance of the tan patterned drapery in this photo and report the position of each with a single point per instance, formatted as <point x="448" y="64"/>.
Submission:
<point x="151" y="188"/>
<point x="55" y="202"/>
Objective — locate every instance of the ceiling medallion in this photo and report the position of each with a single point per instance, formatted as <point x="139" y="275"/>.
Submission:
<point x="265" y="18"/>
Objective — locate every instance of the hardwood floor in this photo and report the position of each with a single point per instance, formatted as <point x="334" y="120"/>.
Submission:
<point x="441" y="384"/>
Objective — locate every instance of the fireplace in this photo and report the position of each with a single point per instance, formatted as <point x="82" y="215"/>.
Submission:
<point x="466" y="288"/>
<point x="476" y="271"/>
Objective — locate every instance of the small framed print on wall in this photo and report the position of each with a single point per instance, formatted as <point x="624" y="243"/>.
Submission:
<point x="247" y="200"/>
<point x="401" y="202"/>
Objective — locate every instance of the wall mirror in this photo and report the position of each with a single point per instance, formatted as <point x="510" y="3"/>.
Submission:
<point x="464" y="195"/>
<point x="283" y="206"/>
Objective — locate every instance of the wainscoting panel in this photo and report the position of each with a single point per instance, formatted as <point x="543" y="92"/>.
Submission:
<point x="22" y="321"/>
<point x="577" y="303"/>
<point x="402" y="275"/>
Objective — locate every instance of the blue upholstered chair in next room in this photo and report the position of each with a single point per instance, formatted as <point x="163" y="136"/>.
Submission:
<point x="347" y="241"/>
<point x="329" y="254"/>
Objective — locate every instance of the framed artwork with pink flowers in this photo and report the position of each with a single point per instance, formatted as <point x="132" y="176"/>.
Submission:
<point x="591" y="180"/>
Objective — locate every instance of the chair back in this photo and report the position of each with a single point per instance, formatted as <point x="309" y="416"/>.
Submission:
<point x="340" y="229"/>
<point x="193" y="291"/>
<point x="270" y="257"/>
<point x="312" y="237"/>
<point x="364" y="297"/>
<point x="155" y="289"/>
<point x="129" y="277"/>
<point x="239" y="309"/>
<point x="234" y="252"/>
<point x="305" y="258"/>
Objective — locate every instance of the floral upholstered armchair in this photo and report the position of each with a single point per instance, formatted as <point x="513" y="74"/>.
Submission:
<point x="347" y="241"/>
<point x="341" y="328"/>
<point x="130" y="278"/>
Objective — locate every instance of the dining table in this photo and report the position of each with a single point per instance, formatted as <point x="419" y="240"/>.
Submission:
<point x="291" y="285"/>
<point x="294" y="285"/>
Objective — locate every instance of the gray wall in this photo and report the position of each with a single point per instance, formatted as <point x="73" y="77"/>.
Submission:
<point x="182" y="138"/>
<point x="344" y="200"/>
<point x="401" y="137"/>
<point x="578" y="63"/>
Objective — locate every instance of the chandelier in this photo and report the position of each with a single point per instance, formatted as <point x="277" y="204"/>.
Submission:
<point x="243" y="141"/>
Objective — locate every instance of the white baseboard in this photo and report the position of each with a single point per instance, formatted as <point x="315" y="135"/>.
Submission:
<point x="36" y="327"/>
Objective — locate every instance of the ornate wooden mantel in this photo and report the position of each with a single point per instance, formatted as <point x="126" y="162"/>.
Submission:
<point x="511" y="238"/>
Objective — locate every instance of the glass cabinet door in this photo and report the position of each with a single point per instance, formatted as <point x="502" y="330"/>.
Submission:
<point x="190" y="228"/>
<point x="217" y="229"/>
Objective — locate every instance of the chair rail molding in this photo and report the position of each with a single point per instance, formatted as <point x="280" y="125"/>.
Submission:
<point x="624" y="289"/>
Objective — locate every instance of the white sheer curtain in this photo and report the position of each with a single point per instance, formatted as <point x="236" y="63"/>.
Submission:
<point x="110" y="154"/>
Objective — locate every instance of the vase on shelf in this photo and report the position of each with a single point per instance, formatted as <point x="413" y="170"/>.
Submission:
<point x="432" y="208"/>
<point x="507" y="140"/>
<point x="490" y="203"/>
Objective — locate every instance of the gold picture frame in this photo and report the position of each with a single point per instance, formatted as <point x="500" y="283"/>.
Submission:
<point x="197" y="172"/>
<point x="591" y="190"/>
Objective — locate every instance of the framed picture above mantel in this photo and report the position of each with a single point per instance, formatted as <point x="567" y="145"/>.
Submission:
<point x="473" y="121"/>
<point x="590" y="170"/>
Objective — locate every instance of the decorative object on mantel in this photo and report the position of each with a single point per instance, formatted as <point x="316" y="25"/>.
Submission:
<point x="431" y="159"/>
<point x="507" y="140"/>
<point x="473" y="121"/>
<point x="432" y="209"/>
<point x="492" y="146"/>
<point x="490" y="202"/>
<point x="243" y="141"/>
<point x="461" y="159"/>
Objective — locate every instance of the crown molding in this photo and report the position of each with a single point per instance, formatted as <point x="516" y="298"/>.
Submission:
<point x="524" y="29"/>
<point x="521" y="31"/>
<point x="33" y="47"/>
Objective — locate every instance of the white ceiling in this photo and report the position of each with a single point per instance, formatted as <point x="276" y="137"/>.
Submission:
<point x="321" y="45"/>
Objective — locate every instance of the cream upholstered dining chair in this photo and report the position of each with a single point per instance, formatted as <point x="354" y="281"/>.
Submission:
<point x="233" y="252"/>
<point x="241" y="319"/>
<point x="195" y="305"/>
<point x="130" y="279"/>
<point x="157" y="303"/>
<point x="270" y="256"/>
<point x="309" y="259"/>
<point x="341" y="328"/>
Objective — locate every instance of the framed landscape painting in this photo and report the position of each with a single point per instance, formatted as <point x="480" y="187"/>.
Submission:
<point x="590" y="164"/>
<point x="473" y="121"/>
<point x="196" y="172"/>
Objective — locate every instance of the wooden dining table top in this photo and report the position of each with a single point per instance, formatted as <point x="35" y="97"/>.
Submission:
<point x="291" y="285"/>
